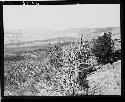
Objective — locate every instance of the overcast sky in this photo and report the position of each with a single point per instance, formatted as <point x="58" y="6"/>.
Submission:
<point x="59" y="17"/>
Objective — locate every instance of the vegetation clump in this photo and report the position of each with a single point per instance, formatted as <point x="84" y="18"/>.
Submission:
<point x="103" y="49"/>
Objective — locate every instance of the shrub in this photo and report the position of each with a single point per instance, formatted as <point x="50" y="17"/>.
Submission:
<point x="103" y="48"/>
<point x="78" y="56"/>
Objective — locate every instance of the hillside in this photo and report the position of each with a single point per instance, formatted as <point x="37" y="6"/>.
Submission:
<point x="68" y="69"/>
<point x="106" y="80"/>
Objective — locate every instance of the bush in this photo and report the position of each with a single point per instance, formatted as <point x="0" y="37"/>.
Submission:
<point x="103" y="48"/>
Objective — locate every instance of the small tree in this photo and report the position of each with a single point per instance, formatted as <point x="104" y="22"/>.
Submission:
<point x="103" y="48"/>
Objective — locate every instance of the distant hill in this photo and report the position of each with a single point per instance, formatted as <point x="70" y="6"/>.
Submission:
<point x="71" y="34"/>
<point x="107" y="29"/>
<point x="90" y="33"/>
<point x="92" y="30"/>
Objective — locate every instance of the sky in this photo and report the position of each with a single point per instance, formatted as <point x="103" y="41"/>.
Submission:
<point x="60" y="17"/>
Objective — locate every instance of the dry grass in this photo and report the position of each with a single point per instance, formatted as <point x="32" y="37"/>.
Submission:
<point x="107" y="80"/>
